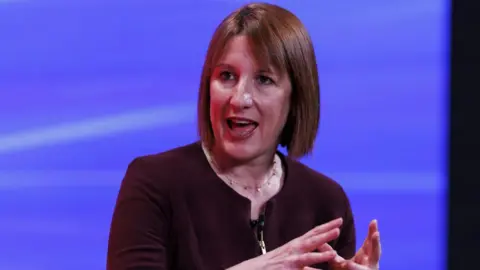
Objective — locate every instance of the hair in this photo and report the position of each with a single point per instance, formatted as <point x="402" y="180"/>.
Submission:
<point x="278" y="38"/>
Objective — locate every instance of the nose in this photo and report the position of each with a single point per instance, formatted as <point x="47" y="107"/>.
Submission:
<point x="242" y="97"/>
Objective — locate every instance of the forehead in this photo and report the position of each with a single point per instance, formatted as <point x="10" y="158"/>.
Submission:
<point x="239" y="51"/>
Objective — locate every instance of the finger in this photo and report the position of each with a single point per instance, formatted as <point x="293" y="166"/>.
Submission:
<point x="372" y="228"/>
<point x="314" y="242"/>
<point x="374" y="257"/>
<point x="326" y="247"/>
<point x="336" y="223"/>
<point x="355" y="266"/>
<point x="360" y="258"/>
<point x="311" y="258"/>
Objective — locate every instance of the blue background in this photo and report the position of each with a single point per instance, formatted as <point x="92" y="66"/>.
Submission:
<point x="86" y="86"/>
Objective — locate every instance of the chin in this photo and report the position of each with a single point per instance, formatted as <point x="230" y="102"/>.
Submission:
<point x="241" y="150"/>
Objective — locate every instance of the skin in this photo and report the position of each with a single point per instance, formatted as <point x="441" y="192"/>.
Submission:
<point x="366" y="258"/>
<point x="298" y="253"/>
<point x="235" y="75"/>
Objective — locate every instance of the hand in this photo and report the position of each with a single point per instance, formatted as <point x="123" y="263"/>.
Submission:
<point x="366" y="258"/>
<point x="298" y="253"/>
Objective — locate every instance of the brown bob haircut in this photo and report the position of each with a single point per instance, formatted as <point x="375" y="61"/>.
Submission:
<point x="278" y="39"/>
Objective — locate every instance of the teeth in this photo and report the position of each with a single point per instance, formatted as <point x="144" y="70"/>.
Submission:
<point x="241" y="122"/>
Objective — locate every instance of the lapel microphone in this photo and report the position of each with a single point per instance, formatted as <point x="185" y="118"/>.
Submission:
<point x="260" y="227"/>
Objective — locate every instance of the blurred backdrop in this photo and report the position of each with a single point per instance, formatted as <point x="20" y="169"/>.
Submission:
<point x="86" y="86"/>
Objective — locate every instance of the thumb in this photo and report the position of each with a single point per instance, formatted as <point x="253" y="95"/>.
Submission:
<point x="354" y="266"/>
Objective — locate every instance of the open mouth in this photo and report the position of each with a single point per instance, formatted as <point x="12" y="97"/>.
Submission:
<point x="241" y="128"/>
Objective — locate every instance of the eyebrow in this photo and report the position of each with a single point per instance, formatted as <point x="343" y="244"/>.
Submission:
<point x="269" y="70"/>
<point x="223" y="65"/>
<point x="261" y="70"/>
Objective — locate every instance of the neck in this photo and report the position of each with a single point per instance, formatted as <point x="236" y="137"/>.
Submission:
<point x="251" y="172"/>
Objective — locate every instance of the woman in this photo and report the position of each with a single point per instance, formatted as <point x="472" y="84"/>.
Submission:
<point x="232" y="200"/>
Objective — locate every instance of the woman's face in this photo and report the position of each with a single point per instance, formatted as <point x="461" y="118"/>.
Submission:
<point x="249" y="104"/>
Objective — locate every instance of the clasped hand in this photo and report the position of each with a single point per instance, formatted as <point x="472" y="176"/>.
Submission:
<point x="300" y="253"/>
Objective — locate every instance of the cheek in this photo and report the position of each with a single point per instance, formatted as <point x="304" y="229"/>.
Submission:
<point x="217" y="101"/>
<point x="276" y="115"/>
<point x="281" y="119"/>
<point x="283" y="107"/>
<point x="218" y="95"/>
<point x="285" y="112"/>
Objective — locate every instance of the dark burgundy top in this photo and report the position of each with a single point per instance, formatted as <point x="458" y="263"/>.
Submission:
<point x="174" y="212"/>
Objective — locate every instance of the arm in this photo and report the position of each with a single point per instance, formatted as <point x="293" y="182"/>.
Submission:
<point x="346" y="244"/>
<point x="140" y="223"/>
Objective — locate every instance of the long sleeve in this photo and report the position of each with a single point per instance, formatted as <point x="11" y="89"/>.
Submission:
<point x="346" y="245"/>
<point x="140" y="224"/>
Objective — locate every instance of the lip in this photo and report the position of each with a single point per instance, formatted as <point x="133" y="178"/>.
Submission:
<point x="237" y="134"/>
<point x="237" y="118"/>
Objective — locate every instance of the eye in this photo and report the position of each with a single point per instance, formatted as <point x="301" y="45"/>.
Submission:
<point x="226" y="76"/>
<point x="264" y="80"/>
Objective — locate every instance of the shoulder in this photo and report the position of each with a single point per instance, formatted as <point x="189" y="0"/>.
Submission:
<point x="326" y="197"/>
<point x="170" y="160"/>
<point x="159" y="172"/>
<point x="316" y="186"/>
<point x="307" y="177"/>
